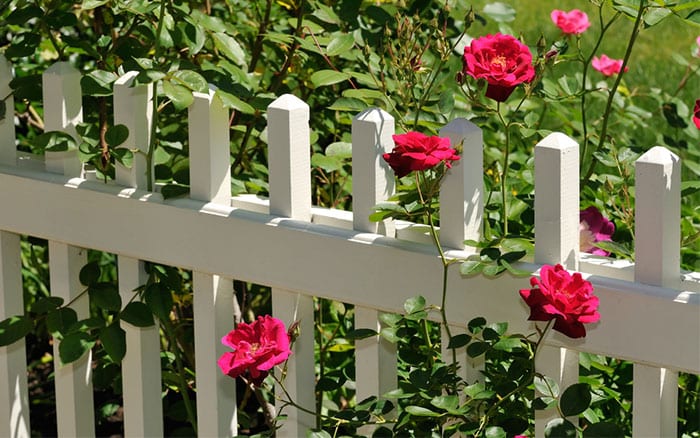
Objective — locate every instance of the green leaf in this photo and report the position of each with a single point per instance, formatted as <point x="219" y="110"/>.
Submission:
<point x="137" y="314"/>
<point x="180" y="95"/>
<point x="495" y="432"/>
<point x="559" y="428"/>
<point x="159" y="299"/>
<point x="547" y="386"/>
<point x="575" y="399"/>
<point x="449" y="403"/>
<point x="515" y="271"/>
<point x="694" y="16"/>
<point x="414" y="304"/>
<point x="116" y="135"/>
<point x="339" y="149"/>
<point x="471" y="267"/>
<point x="507" y="344"/>
<point x="98" y="83"/>
<point x="348" y="104"/>
<point x="105" y="296"/>
<point x="478" y="391"/>
<point x="229" y="47"/>
<point x="55" y="141"/>
<point x="124" y="156"/>
<point x="174" y="190"/>
<point x="476" y="325"/>
<point x="46" y="304"/>
<point x="655" y="15"/>
<point x="13" y="329"/>
<point x="602" y="430"/>
<point x="500" y="12"/>
<point x="58" y="321"/>
<point x="113" y="340"/>
<point x="21" y="15"/>
<point x="476" y="349"/>
<point x="328" y="164"/>
<point x="322" y="78"/>
<point x="421" y="412"/>
<point x="89" y="274"/>
<point x="231" y="101"/>
<point x="74" y="346"/>
<point x="340" y="44"/>
<point x="689" y="187"/>
<point x="459" y="341"/>
<point x="92" y="4"/>
<point x="361" y="333"/>
<point x="192" y="80"/>
<point x="320" y="433"/>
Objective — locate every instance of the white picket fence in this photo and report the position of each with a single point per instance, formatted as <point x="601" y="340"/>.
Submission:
<point x="650" y="311"/>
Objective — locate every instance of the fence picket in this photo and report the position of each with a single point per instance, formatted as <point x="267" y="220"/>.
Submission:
<point x="74" y="399"/>
<point x="133" y="108"/>
<point x="13" y="363"/>
<point x="63" y="110"/>
<point x="657" y="251"/>
<point x="8" y="150"/>
<point x="288" y="137"/>
<point x="556" y="241"/>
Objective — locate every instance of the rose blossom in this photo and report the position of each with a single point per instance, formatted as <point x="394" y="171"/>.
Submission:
<point x="607" y="66"/>
<point x="594" y="227"/>
<point x="502" y="60"/>
<point x="574" y="22"/>
<point x="417" y="151"/>
<point x="696" y="114"/>
<point x="566" y="298"/>
<point x="257" y="348"/>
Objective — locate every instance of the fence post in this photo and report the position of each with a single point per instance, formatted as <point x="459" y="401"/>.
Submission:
<point x="288" y="137"/>
<point x="373" y="182"/>
<point x="556" y="241"/>
<point x="210" y="181"/>
<point x="133" y="108"/>
<point x="8" y="150"/>
<point x="63" y="110"/>
<point x="14" y="402"/>
<point x="74" y="400"/>
<point x="657" y="254"/>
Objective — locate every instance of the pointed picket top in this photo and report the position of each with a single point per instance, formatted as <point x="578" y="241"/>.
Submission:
<point x="462" y="191"/>
<point x="557" y="201"/>
<point x="8" y="149"/>
<point x="288" y="139"/>
<point x="373" y="179"/>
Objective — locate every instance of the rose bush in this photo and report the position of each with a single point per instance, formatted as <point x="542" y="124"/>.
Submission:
<point x="594" y="227"/>
<point x="574" y="22"/>
<point x="502" y="60"/>
<point x="417" y="151"/>
<point x="607" y="66"/>
<point x="567" y="299"/>
<point x="257" y="348"/>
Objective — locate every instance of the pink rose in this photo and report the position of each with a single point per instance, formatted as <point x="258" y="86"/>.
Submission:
<point x="594" y="227"/>
<point x="696" y="114"/>
<point x="257" y="348"/>
<point x="416" y="151"/>
<point x="566" y="298"/>
<point x="574" y="22"/>
<point x="607" y="66"/>
<point x="502" y="60"/>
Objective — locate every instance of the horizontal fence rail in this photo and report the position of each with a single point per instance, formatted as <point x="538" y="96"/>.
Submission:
<point x="302" y="252"/>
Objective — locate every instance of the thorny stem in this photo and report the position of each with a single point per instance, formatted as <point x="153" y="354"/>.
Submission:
<point x="616" y="84"/>
<point x="504" y="177"/>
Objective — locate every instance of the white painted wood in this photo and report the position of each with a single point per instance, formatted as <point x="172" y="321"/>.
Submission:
<point x="74" y="400"/>
<point x="133" y="108"/>
<point x="462" y="191"/>
<point x="288" y="137"/>
<point x="141" y="377"/>
<point x="8" y="149"/>
<point x="657" y="253"/>
<point x="300" y="380"/>
<point x="210" y="175"/>
<point x="313" y="258"/>
<point x="373" y="179"/>
<point x="557" y="201"/>
<point x="216" y="392"/>
<point x="556" y="241"/>
<point x="63" y="111"/>
<point x="14" y="400"/>
<point x="375" y="358"/>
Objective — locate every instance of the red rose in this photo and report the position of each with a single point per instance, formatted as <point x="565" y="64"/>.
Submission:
<point x="257" y="348"/>
<point x="502" y="60"/>
<point x="571" y="23"/>
<point x="607" y="66"/>
<point x="416" y="151"/>
<point x="594" y="227"/>
<point x="567" y="299"/>
<point x="696" y="114"/>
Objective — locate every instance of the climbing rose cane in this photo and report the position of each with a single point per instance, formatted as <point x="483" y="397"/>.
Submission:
<point x="502" y="60"/>
<point x="696" y="114"/>
<point x="417" y="151"/>
<point x="257" y="348"/>
<point x="567" y="299"/>
<point x="607" y="66"/>
<point x="594" y="227"/>
<point x="574" y="22"/>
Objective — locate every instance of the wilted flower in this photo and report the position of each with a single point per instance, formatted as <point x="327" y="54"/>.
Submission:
<point x="257" y="348"/>
<point x="567" y="299"/>
<point x="607" y="66"/>
<point x="502" y="60"/>
<point x="573" y="22"/>
<point x="594" y="227"/>
<point x="417" y="151"/>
